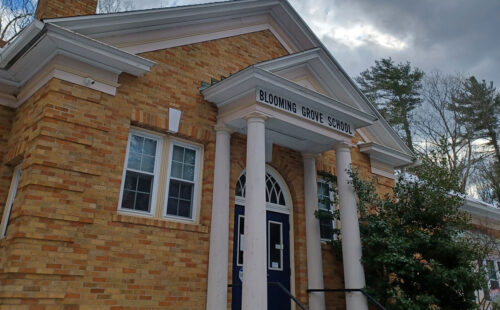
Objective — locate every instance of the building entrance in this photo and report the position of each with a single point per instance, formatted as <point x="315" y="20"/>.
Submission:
<point x="278" y="242"/>
<point x="278" y="258"/>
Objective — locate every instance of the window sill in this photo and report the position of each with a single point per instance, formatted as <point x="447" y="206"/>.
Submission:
<point x="162" y="223"/>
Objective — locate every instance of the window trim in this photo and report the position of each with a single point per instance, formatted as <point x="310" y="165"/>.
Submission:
<point x="238" y="241"/>
<point x="332" y="208"/>
<point x="156" y="173"/>
<point x="196" y="180"/>
<point x="269" y="263"/>
<point x="14" y="185"/>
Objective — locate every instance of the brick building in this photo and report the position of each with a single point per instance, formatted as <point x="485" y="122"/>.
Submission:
<point x="142" y="153"/>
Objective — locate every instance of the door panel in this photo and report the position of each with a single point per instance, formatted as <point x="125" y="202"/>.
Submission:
<point x="278" y="258"/>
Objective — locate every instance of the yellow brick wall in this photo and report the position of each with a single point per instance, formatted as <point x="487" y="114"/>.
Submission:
<point x="68" y="248"/>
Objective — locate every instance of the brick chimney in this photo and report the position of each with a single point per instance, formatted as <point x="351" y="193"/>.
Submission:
<point x="63" y="8"/>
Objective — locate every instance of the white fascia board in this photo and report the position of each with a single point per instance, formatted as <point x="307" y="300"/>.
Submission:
<point x="482" y="209"/>
<point x="43" y="46"/>
<point x="384" y="154"/>
<point x="26" y="35"/>
<point x="244" y="81"/>
<point x="101" y="24"/>
<point x="89" y="48"/>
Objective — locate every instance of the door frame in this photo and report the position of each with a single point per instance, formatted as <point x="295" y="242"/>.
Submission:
<point x="289" y="211"/>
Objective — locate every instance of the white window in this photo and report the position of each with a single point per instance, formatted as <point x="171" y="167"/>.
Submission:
<point x="147" y="189"/>
<point x="182" y="180"/>
<point x="326" y="204"/>
<point x="10" y="201"/>
<point x="492" y="267"/>
<point x="141" y="173"/>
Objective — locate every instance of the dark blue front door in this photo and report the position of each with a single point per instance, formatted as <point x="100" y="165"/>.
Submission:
<point x="278" y="259"/>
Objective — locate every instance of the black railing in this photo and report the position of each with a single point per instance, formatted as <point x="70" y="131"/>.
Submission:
<point x="348" y="290"/>
<point x="284" y="289"/>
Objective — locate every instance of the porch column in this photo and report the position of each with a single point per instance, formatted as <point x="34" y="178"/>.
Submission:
<point x="354" y="276"/>
<point x="255" y="257"/>
<point x="219" y="228"/>
<point x="313" y="236"/>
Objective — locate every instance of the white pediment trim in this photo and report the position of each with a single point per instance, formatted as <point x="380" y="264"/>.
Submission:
<point x="249" y="80"/>
<point x="148" y="30"/>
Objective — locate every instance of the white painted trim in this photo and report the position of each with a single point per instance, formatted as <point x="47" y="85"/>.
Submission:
<point x="203" y="37"/>
<point x="288" y="200"/>
<point x="332" y="207"/>
<point x="196" y="180"/>
<point x="269" y="245"/>
<point x="238" y="243"/>
<point x="16" y="175"/>
<point x="156" y="173"/>
<point x="271" y="206"/>
<point x="383" y="173"/>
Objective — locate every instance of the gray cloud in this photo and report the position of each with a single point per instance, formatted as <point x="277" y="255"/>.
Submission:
<point x="448" y="35"/>
<point x="454" y="36"/>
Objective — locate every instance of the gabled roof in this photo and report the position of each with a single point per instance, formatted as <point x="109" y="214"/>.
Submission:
<point x="147" y="30"/>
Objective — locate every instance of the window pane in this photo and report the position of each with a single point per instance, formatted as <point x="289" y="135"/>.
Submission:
<point x="128" y="199"/>
<point x="184" y="208"/>
<point x="149" y="147"/>
<point x="145" y="183"/>
<point x="241" y="235"/>
<point x="494" y="285"/>
<point x="176" y="170"/>
<point x="275" y="245"/>
<point x="189" y="156"/>
<point x="491" y="269"/>
<point x="326" y="229"/>
<point x="172" y="206"/>
<point x="178" y="154"/>
<point x="174" y="189"/>
<point x="130" y="180"/>
<point x="136" y="144"/>
<point x="186" y="192"/>
<point x="142" y="202"/>
<point x="148" y="163"/>
<point x="188" y="173"/>
<point x="134" y="161"/>
<point x="180" y="196"/>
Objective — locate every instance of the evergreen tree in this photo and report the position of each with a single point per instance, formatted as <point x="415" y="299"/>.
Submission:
<point x="395" y="90"/>
<point x="417" y="252"/>
<point x="478" y="107"/>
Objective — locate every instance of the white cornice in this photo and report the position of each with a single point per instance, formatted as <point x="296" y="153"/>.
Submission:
<point x="481" y="210"/>
<point x="386" y="155"/>
<point x="248" y="80"/>
<point x="37" y="47"/>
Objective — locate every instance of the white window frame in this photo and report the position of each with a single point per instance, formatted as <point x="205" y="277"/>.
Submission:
<point x="332" y="208"/>
<point x="156" y="172"/>
<point x="16" y="175"/>
<point x="196" y="179"/>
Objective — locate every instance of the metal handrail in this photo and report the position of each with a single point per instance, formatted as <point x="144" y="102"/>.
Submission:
<point x="284" y="289"/>
<point x="350" y="290"/>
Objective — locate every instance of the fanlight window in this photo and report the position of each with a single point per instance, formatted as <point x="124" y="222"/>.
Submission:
<point x="274" y="194"/>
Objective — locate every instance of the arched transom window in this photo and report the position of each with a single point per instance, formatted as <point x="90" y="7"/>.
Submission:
<point x="276" y="192"/>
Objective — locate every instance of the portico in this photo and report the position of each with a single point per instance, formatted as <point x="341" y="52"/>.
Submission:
<point x="271" y="109"/>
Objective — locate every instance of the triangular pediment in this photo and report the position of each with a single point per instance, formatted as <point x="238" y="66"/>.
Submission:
<point x="309" y="65"/>
<point x="316" y="70"/>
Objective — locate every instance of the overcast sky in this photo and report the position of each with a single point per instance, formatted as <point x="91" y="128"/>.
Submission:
<point x="453" y="36"/>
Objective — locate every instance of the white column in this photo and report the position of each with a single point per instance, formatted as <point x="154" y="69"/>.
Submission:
<point x="354" y="276"/>
<point x="255" y="257"/>
<point x="219" y="227"/>
<point x="313" y="236"/>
